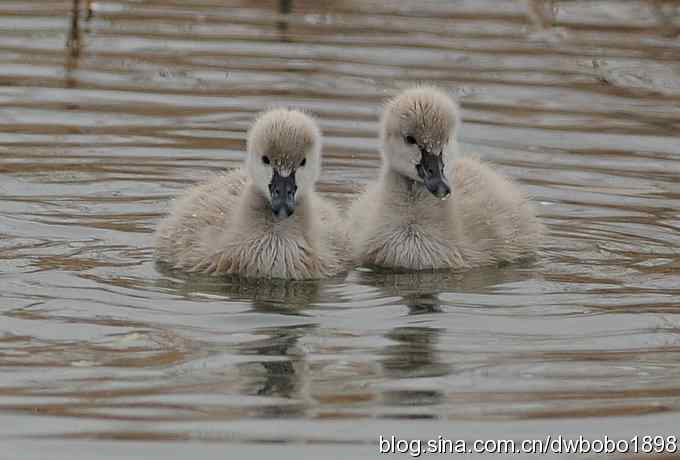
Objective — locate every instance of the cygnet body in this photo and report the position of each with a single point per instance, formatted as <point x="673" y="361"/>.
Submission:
<point x="264" y="220"/>
<point x="431" y="208"/>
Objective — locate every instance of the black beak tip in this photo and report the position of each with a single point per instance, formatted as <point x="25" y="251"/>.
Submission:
<point x="440" y="189"/>
<point x="283" y="212"/>
<point x="443" y="191"/>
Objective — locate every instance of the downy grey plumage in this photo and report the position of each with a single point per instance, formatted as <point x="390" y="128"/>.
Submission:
<point x="264" y="220"/>
<point x="432" y="208"/>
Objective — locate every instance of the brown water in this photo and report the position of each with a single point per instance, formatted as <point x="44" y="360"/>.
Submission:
<point x="101" y="124"/>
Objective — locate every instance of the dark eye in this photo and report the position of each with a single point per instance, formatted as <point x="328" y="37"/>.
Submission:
<point x="303" y="162"/>
<point x="410" y="140"/>
<point x="265" y="160"/>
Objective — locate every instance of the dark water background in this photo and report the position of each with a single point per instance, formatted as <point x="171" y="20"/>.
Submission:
<point x="107" y="114"/>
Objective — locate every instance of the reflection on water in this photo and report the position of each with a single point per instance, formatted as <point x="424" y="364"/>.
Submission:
<point x="264" y="295"/>
<point x="283" y="378"/>
<point x="414" y="353"/>
<point x="108" y="109"/>
<point x="419" y="291"/>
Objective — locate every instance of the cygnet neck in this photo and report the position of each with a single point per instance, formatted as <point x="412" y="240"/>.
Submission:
<point x="395" y="181"/>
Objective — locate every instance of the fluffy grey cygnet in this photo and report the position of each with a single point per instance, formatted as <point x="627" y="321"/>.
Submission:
<point x="432" y="208"/>
<point x="264" y="220"/>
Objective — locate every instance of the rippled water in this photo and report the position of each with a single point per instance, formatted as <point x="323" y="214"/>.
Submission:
<point x="106" y="115"/>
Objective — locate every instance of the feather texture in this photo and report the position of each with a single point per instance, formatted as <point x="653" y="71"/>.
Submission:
<point x="226" y="225"/>
<point x="397" y="223"/>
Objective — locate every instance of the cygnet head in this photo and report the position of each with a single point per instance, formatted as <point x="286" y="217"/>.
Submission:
<point x="284" y="157"/>
<point x="419" y="137"/>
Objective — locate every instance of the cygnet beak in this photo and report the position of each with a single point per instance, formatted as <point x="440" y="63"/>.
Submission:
<point x="282" y="190"/>
<point x="431" y="171"/>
